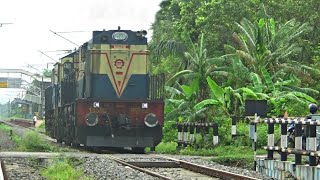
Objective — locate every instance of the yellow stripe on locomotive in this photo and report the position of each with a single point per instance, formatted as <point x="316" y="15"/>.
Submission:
<point x="118" y="69"/>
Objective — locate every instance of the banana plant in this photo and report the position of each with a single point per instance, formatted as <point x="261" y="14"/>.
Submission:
<point x="182" y="101"/>
<point x="266" y="44"/>
<point x="199" y="67"/>
<point x="225" y="98"/>
<point x="287" y="95"/>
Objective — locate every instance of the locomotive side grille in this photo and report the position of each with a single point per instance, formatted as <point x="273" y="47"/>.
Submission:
<point x="68" y="90"/>
<point x="156" y="88"/>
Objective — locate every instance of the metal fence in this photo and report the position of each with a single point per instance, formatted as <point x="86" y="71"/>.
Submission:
<point x="188" y="133"/>
<point x="312" y="143"/>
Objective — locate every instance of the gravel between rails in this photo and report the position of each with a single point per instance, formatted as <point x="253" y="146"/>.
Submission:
<point x="103" y="168"/>
<point x="6" y="144"/>
<point x="181" y="174"/>
<point x="206" y="162"/>
<point x="200" y="160"/>
<point x="22" y="169"/>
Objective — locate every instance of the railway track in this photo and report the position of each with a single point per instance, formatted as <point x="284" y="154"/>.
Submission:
<point x="23" y="123"/>
<point x="3" y="174"/>
<point x="168" y="168"/>
<point x="161" y="166"/>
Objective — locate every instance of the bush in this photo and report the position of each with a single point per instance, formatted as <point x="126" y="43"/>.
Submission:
<point x="5" y="127"/>
<point x="197" y="152"/>
<point x="169" y="131"/>
<point x="41" y="128"/>
<point x="167" y="147"/>
<point x="34" y="143"/>
<point x="62" y="170"/>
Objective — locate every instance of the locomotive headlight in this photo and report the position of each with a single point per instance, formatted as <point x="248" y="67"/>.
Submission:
<point x="120" y="36"/>
<point x="91" y="119"/>
<point x="96" y="104"/>
<point x="144" y="105"/>
<point x="151" y="120"/>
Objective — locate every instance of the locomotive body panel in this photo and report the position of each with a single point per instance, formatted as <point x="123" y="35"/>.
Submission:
<point x="102" y="94"/>
<point x="122" y="122"/>
<point x="110" y="112"/>
<point x="111" y="69"/>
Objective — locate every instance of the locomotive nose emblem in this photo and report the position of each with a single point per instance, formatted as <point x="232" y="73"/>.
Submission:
<point x="119" y="63"/>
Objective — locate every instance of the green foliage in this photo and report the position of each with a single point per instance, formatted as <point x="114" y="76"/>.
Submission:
<point x="5" y="128"/>
<point x="47" y="73"/>
<point x="62" y="170"/>
<point x="268" y="79"/>
<point x="14" y="137"/>
<point x="41" y="128"/>
<point x="199" y="152"/>
<point x="242" y="138"/>
<point x="167" y="147"/>
<point x="169" y="132"/>
<point x="265" y="55"/>
<point x="33" y="142"/>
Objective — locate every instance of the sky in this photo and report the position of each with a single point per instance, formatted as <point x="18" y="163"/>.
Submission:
<point x="32" y="20"/>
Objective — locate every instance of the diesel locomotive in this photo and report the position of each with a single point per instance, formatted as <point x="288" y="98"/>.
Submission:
<point x="103" y="95"/>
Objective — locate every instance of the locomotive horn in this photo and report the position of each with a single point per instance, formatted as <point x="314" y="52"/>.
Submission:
<point x="144" y="32"/>
<point x="139" y="33"/>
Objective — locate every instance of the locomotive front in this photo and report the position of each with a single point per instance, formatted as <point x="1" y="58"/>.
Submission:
<point x="119" y="104"/>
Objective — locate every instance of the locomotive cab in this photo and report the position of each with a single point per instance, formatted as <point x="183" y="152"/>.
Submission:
<point x="108" y="97"/>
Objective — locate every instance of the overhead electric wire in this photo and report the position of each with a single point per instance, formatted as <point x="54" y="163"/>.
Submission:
<point x="4" y="24"/>
<point x="67" y="51"/>
<point x="48" y="56"/>
<point x="56" y="33"/>
<point x="73" y="32"/>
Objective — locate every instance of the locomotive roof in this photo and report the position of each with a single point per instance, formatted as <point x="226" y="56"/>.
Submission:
<point x="70" y="55"/>
<point x="107" y="37"/>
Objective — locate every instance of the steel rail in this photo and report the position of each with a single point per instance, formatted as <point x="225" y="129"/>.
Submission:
<point x="138" y="168"/>
<point x="208" y="171"/>
<point x="3" y="174"/>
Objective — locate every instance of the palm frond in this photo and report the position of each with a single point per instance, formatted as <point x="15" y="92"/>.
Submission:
<point x="206" y="102"/>
<point x="247" y="32"/>
<point x="178" y="75"/>
<point x="268" y="79"/>
<point x="311" y="69"/>
<point x="246" y="56"/>
<point x="173" y="91"/>
<point x="165" y="48"/>
<point x="255" y="78"/>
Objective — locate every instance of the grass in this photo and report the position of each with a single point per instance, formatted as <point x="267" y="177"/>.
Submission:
<point x="166" y="148"/>
<point x="231" y="155"/>
<point x="30" y="142"/>
<point x="63" y="169"/>
<point x="5" y="128"/>
<point x="41" y="128"/>
<point x="33" y="142"/>
<point x="16" y="139"/>
<point x="241" y="156"/>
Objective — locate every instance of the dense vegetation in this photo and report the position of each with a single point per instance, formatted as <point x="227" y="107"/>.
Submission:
<point x="218" y="53"/>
